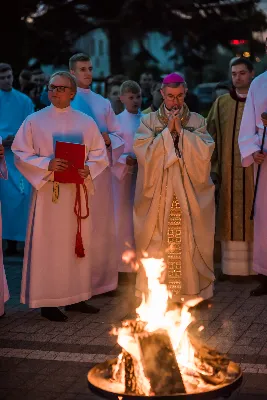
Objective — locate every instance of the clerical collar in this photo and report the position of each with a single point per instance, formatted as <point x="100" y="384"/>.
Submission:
<point x="60" y="110"/>
<point x="241" y="95"/>
<point x="236" y="96"/>
<point x="82" y="90"/>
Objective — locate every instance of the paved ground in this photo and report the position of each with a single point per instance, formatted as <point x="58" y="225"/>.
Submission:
<point x="42" y="360"/>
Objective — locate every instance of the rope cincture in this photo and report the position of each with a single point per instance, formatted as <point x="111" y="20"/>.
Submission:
<point x="79" y="249"/>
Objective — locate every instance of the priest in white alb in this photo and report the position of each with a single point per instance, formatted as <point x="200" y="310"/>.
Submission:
<point x="55" y="272"/>
<point x="103" y="247"/>
<point x="4" y="293"/>
<point x="124" y="172"/>
<point x="250" y="141"/>
<point x="174" y="208"/>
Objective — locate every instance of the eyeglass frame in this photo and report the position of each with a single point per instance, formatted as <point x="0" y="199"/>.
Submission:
<point x="57" y="88"/>
<point x="177" y="98"/>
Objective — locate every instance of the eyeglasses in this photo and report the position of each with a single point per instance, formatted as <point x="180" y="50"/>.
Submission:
<point x="178" y="97"/>
<point x="60" y="89"/>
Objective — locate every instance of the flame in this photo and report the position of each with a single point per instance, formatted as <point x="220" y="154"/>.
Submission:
<point x="154" y="305"/>
<point x="154" y="312"/>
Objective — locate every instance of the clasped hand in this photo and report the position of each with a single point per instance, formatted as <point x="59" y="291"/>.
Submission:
<point x="174" y="123"/>
<point x="58" y="164"/>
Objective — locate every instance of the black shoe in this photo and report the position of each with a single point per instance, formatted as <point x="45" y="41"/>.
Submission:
<point x="220" y="276"/>
<point x="11" y="249"/>
<point x="2" y="316"/>
<point x="53" y="314"/>
<point x="83" y="308"/>
<point x="259" y="291"/>
<point x="11" y="253"/>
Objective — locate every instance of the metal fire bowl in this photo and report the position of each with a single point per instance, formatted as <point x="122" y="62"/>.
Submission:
<point x="99" y="382"/>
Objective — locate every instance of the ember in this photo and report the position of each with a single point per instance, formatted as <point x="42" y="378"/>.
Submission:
<point x="160" y="357"/>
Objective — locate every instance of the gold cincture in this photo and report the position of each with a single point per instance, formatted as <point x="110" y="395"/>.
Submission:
<point x="55" y="195"/>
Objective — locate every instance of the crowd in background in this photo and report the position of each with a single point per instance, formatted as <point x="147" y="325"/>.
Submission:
<point x="117" y="116"/>
<point x="33" y="83"/>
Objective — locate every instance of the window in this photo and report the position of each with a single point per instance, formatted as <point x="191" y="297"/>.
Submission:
<point x="92" y="47"/>
<point x="101" y="47"/>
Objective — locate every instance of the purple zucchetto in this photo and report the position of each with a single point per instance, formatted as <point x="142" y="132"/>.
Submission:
<point x="173" y="78"/>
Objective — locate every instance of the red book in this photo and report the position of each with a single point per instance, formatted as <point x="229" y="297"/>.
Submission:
<point x="75" y="154"/>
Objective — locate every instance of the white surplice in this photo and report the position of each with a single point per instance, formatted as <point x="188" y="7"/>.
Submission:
<point x="103" y="247"/>
<point x="250" y="139"/>
<point x="123" y="181"/>
<point x="52" y="273"/>
<point x="4" y="293"/>
<point x="14" y="192"/>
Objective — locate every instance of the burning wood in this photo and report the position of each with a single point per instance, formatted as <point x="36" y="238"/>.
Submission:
<point x="159" y="370"/>
<point x="159" y="363"/>
<point x="160" y="356"/>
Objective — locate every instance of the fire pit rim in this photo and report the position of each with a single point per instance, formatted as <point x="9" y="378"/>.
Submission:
<point x="220" y="390"/>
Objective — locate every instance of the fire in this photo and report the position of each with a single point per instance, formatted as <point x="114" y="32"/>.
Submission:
<point x="158" y="327"/>
<point x="153" y="310"/>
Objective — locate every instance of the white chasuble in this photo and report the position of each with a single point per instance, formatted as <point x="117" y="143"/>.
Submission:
<point x="174" y="208"/>
<point x="52" y="273"/>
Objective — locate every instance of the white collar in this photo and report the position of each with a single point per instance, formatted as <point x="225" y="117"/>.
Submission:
<point x="82" y="90"/>
<point x="60" y="110"/>
<point x="241" y="95"/>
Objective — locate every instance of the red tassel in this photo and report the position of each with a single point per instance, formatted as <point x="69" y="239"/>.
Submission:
<point x="79" y="249"/>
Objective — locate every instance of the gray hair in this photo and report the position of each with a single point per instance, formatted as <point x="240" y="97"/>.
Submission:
<point x="67" y="75"/>
<point x="174" y="85"/>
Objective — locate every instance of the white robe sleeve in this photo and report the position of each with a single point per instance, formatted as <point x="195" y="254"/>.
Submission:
<point x="97" y="159"/>
<point x="248" y="140"/>
<point x="115" y="135"/>
<point x="197" y="148"/>
<point x="153" y="153"/>
<point x="33" y="167"/>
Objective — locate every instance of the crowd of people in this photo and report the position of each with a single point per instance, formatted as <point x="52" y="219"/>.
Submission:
<point x="154" y="177"/>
